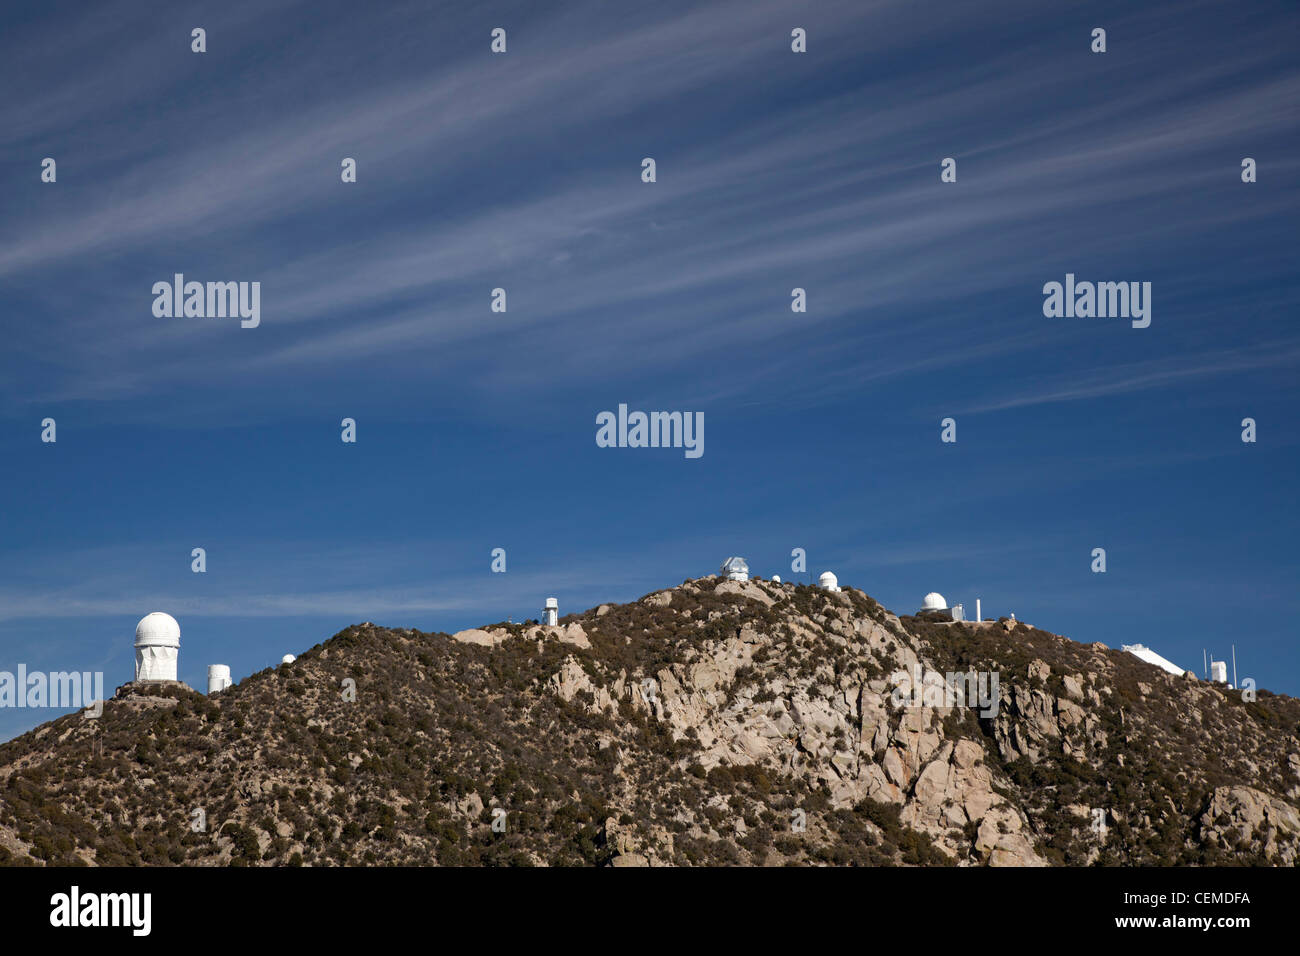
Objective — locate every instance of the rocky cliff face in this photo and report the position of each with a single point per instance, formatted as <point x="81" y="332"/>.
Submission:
<point x="712" y="723"/>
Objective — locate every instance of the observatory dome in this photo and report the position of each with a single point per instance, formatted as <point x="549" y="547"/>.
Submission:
<point x="828" y="581"/>
<point x="735" y="569"/>
<point x="288" y="659"/>
<point x="157" y="630"/>
<point x="934" y="602"/>
<point x="157" y="645"/>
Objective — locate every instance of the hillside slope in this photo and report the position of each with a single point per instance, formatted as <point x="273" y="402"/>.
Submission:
<point x="711" y="723"/>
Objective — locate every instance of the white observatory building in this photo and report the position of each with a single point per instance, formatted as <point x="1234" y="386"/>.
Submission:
<point x="828" y="581"/>
<point x="157" y="645"/>
<point x="551" y="613"/>
<point x="218" y="678"/>
<point x="934" y="601"/>
<point x="1142" y="652"/>
<point x="288" y="659"/>
<point x="734" y="569"/>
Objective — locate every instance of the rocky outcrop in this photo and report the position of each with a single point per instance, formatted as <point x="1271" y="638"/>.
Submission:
<point x="1244" y="816"/>
<point x="474" y="635"/>
<point x="571" y="633"/>
<point x="629" y="847"/>
<point x="747" y="589"/>
<point x="1035" y="722"/>
<point x="842" y="733"/>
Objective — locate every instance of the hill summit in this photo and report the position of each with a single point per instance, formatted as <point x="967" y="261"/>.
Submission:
<point x="717" y="722"/>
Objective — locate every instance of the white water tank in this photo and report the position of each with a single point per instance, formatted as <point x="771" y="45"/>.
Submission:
<point x="157" y="646"/>
<point x="218" y="678"/>
<point x="551" y="613"/>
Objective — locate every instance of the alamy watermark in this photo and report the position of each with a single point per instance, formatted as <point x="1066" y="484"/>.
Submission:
<point x="653" y="430"/>
<point x="129" y="910"/>
<point x="58" y="689"/>
<point x="976" y="689"/>
<point x="1102" y="300"/>
<point x="211" y="300"/>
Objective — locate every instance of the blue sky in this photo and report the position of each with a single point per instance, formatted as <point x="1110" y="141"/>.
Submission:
<point x="476" y="430"/>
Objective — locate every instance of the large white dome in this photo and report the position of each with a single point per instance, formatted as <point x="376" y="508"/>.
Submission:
<point x="934" y="602"/>
<point x="158" y="630"/>
<point x="828" y="581"/>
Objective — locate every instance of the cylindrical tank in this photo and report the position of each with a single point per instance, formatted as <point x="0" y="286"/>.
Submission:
<point x="218" y="677"/>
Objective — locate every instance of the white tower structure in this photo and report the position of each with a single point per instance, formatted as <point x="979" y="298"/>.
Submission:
<point x="157" y="645"/>
<point x="978" y="615"/>
<point x="288" y="659"/>
<point x="218" y="678"/>
<point x="828" y="581"/>
<point x="734" y="569"/>
<point x="551" y="613"/>
<point x="1219" y="672"/>
<point x="958" y="612"/>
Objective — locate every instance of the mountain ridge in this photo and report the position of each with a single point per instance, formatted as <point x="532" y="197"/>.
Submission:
<point x="716" y="722"/>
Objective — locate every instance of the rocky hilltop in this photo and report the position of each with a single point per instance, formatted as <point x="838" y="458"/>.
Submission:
<point x="718" y="722"/>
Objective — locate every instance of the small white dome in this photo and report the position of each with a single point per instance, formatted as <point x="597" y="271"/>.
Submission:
<point x="776" y="579"/>
<point x="828" y="581"/>
<point x="288" y="659"/>
<point x="934" y="602"/>
<point x="158" y="630"/>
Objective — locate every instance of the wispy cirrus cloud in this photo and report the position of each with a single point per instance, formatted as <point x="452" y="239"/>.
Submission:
<point x="1153" y="374"/>
<point x="834" y="192"/>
